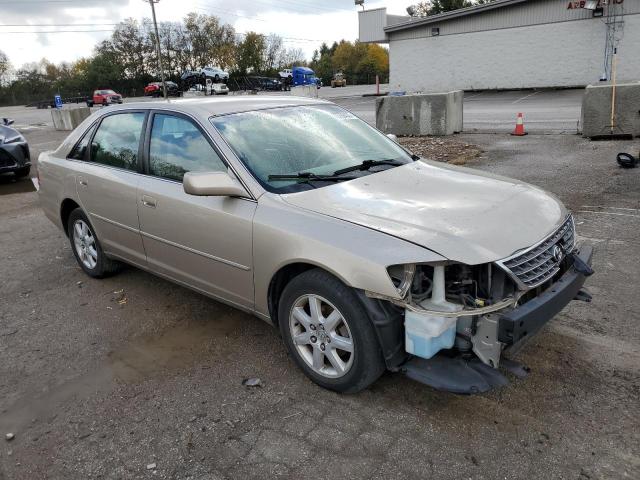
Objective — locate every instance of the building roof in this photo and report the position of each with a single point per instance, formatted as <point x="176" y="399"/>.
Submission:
<point x="462" y="12"/>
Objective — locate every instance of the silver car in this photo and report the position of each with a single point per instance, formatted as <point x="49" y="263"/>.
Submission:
<point x="365" y="257"/>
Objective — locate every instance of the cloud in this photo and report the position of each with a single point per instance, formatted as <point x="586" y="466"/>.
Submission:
<point x="303" y="23"/>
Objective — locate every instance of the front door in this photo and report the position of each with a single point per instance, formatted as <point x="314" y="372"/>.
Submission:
<point x="107" y="183"/>
<point x="204" y="242"/>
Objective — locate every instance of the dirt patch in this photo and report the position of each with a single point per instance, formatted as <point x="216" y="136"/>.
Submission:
<point x="442" y="149"/>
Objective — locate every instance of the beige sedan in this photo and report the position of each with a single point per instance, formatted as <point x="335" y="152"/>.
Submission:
<point x="364" y="256"/>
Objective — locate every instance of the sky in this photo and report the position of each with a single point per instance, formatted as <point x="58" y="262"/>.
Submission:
<point x="304" y="24"/>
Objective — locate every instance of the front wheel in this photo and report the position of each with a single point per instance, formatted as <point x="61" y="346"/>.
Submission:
<point x="86" y="247"/>
<point x="328" y="333"/>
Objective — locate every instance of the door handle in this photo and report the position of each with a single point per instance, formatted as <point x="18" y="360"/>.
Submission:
<point x="82" y="181"/>
<point x="148" y="201"/>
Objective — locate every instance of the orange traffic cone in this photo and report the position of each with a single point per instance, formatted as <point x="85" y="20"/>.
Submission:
<point x="519" y="131"/>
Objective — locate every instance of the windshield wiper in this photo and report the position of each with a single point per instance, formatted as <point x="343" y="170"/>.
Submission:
<point x="310" y="176"/>
<point x="366" y="165"/>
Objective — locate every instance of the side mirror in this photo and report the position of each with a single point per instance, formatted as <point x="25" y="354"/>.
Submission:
<point x="392" y="137"/>
<point x="212" y="184"/>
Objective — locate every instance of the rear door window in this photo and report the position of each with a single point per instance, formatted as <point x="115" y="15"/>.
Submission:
<point x="117" y="140"/>
<point x="80" y="150"/>
<point x="177" y="146"/>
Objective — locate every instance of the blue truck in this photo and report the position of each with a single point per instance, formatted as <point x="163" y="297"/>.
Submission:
<point x="300" y="76"/>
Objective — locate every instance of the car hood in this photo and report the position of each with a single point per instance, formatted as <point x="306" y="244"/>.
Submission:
<point x="464" y="215"/>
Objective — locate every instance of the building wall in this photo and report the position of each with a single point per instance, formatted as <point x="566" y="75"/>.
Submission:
<point x="371" y="25"/>
<point x="533" y="12"/>
<point x="568" y="53"/>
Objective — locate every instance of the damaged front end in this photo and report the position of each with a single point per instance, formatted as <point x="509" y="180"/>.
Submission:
<point x="460" y="320"/>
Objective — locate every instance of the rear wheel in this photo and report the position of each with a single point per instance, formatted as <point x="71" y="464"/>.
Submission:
<point x="86" y="247"/>
<point x="328" y="333"/>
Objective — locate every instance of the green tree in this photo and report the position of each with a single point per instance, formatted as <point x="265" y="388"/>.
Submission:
<point x="251" y="53"/>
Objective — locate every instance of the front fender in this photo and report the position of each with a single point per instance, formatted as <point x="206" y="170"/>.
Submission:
<point x="284" y="234"/>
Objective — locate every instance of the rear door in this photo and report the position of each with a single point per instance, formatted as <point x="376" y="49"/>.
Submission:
<point x="107" y="183"/>
<point x="204" y="242"/>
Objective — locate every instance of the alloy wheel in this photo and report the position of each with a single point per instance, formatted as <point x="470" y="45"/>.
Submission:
<point x="321" y="336"/>
<point x="85" y="244"/>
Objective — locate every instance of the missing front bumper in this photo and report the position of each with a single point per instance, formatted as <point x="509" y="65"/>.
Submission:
<point x="469" y="376"/>
<point x="522" y="322"/>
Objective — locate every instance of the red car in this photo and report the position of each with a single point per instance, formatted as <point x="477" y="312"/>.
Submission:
<point x="154" y="89"/>
<point x="104" y="97"/>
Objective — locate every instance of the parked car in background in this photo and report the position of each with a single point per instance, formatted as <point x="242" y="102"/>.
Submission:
<point x="364" y="256"/>
<point x="219" y="89"/>
<point x="270" y="84"/>
<point x="189" y="78"/>
<point x="104" y="97"/>
<point x="286" y="73"/>
<point x="14" y="150"/>
<point x="154" y="89"/>
<point x="215" y="74"/>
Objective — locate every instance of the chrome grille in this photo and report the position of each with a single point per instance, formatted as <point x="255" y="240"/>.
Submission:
<point x="539" y="263"/>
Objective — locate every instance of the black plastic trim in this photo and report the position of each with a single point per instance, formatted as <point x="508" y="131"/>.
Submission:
<point x="388" y="321"/>
<point x="526" y="320"/>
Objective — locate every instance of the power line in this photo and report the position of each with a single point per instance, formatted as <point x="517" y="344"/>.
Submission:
<point x="285" y="39"/>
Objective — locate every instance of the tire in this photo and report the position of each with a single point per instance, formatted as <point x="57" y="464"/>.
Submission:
<point x="98" y="265"/>
<point x="22" y="172"/>
<point x="317" y="350"/>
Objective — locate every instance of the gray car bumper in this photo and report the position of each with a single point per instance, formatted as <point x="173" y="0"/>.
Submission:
<point x="14" y="156"/>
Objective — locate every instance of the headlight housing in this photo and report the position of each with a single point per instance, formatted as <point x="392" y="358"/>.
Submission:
<point x="402" y="277"/>
<point x="17" y="138"/>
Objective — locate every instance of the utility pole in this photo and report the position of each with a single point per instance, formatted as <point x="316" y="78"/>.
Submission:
<point x="155" y="26"/>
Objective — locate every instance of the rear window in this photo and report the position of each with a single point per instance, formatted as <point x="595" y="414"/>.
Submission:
<point x="117" y="140"/>
<point x="80" y="150"/>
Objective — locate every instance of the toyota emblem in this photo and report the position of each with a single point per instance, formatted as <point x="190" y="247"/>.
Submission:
<point x="557" y="253"/>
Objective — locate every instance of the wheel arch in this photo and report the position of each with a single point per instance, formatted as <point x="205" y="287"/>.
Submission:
<point x="281" y="278"/>
<point x="68" y="205"/>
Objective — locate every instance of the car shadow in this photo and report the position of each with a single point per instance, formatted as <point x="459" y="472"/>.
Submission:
<point x="10" y="185"/>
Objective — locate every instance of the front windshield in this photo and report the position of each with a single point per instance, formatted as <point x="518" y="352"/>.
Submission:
<point x="318" y="139"/>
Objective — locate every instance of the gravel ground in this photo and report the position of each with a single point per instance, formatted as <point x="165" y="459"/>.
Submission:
<point x="133" y="377"/>
<point x="443" y="149"/>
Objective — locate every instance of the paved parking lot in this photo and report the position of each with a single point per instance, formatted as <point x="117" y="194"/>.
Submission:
<point x="100" y="378"/>
<point x="545" y="111"/>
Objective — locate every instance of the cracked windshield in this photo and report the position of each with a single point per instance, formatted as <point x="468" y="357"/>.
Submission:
<point x="307" y="146"/>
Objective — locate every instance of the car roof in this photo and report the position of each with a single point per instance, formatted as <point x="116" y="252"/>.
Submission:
<point x="215" y="106"/>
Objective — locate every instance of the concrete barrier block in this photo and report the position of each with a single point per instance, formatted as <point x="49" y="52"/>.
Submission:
<point x="596" y="109"/>
<point x="422" y="114"/>
<point x="193" y="94"/>
<point x="69" y="118"/>
<point x="310" y="91"/>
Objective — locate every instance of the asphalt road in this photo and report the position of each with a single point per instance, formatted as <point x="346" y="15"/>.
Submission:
<point x="544" y="111"/>
<point x="103" y="378"/>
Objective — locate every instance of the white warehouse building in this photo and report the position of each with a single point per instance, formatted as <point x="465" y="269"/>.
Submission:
<point x="509" y="44"/>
